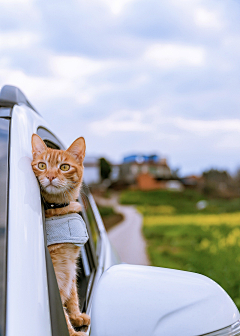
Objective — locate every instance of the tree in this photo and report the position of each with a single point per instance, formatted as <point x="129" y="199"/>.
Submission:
<point x="216" y="182"/>
<point x="105" y="168"/>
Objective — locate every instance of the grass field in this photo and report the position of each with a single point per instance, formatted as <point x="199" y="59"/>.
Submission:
<point x="109" y="216"/>
<point x="180" y="236"/>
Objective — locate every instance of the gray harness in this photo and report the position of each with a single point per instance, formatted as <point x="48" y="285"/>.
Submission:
<point x="69" y="228"/>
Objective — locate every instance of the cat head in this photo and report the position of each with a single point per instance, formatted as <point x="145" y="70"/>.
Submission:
<point x="59" y="172"/>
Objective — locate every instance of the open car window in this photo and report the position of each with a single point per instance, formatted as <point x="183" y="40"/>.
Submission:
<point x="87" y="262"/>
<point x="49" y="139"/>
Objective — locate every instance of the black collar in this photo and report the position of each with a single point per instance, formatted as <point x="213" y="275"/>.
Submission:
<point x="54" y="205"/>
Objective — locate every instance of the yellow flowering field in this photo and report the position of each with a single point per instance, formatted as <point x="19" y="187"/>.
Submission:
<point x="232" y="219"/>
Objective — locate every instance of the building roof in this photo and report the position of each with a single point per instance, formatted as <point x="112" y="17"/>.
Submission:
<point x="141" y="158"/>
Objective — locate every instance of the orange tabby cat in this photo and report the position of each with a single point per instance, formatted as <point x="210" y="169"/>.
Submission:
<point x="60" y="174"/>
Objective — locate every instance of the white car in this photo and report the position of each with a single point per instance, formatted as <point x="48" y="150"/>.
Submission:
<point x="124" y="300"/>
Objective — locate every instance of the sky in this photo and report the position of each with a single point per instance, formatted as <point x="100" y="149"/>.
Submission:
<point x="131" y="76"/>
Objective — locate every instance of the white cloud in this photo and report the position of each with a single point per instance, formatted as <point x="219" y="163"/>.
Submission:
<point x="116" y="6"/>
<point x="43" y="89"/>
<point x="122" y="121"/>
<point x="207" y="19"/>
<point x="49" y="87"/>
<point x="206" y="127"/>
<point x="230" y="141"/>
<point x="73" y="67"/>
<point x="168" y="55"/>
<point x="17" y="39"/>
<point x="68" y="79"/>
<point x="15" y="2"/>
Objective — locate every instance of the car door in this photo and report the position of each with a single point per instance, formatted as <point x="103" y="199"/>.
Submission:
<point x="27" y="295"/>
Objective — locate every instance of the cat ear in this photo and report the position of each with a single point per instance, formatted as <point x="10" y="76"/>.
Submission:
<point x="38" y="146"/>
<point x="77" y="149"/>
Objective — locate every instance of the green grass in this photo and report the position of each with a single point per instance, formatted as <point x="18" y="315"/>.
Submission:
<point x="181" y="237"/>
<point x="109" y="216"/>
<point x="106" y="211"/>
<point x="182" y="202"/>
<point x="209" y="250"/>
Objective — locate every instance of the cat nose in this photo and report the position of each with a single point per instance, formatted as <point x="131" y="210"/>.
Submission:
<point x="51" y="178"/>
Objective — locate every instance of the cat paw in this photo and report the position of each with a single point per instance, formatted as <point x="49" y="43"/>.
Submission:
<point x="75" y="207"/>
<point x="77" y="333"/>
<point x="80" y="320"/>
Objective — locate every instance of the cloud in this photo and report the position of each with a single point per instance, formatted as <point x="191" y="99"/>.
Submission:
<point x="17" y="40"/>
<point x="19" y="15"/>
<point x="122" y="121"/>
<point x="116" y="6"/>
<point x="130" y="75"/>
<point x="15" y="2"/>
<point x="73" y="67"/>
<point x="167" y="55"/>
<point x="206" y="127"/>
<point x="208" y="19"/>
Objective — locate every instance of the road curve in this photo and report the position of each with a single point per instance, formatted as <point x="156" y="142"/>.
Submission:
<point x="126" y="237"/>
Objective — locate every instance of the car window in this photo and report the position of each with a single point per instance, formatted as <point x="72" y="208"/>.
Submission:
<point x="49" y="139"/>
<point x="94" y="231"/>
<point x="87" y="262"/>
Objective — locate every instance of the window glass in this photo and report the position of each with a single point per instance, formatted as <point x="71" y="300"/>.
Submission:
<point x="92" y="223"/>
<point x="85" y="262"/>
<point x="90" y="218"/>
<point x="50" y="144"/>
<point x="50" y="140"/>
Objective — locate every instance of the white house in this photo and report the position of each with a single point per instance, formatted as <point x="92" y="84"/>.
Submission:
<point x="91" y="173"/>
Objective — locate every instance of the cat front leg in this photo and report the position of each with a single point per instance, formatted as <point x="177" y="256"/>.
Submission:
<point x="71" y="330"/>
<point x="77" y="318"/>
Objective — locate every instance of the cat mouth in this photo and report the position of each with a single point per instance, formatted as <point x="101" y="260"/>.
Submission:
<point x="52" y="188"/>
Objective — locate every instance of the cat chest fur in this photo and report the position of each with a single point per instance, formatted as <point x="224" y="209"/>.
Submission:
<point x="69" y="228"/>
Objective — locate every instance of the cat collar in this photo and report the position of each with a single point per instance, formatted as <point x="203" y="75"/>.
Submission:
<point x="54" y="205"/>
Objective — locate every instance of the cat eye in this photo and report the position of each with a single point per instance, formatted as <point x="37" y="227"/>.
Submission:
<point x="65" y="167"/>
<point x="42" y="165"/>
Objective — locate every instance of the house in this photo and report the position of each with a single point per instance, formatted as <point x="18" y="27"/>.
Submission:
<point x="146" y="181"/>
<point x="147" y="171"/>
<point x="192" y="181"/>
<point x="92" y="171"/>
<point x="91" y="175"/>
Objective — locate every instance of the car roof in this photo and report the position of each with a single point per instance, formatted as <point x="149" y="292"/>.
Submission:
<point x="11" y="95"/>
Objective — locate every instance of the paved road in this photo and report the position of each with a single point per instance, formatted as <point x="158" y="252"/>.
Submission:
<point x="127" y="237"/>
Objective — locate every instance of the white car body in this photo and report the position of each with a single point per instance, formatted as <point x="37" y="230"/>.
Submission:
<point x="127" y="300"/>
<point x="159" y="302"/>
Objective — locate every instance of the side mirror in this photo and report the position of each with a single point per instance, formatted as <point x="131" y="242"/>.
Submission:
<point x="149" y="301"/>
